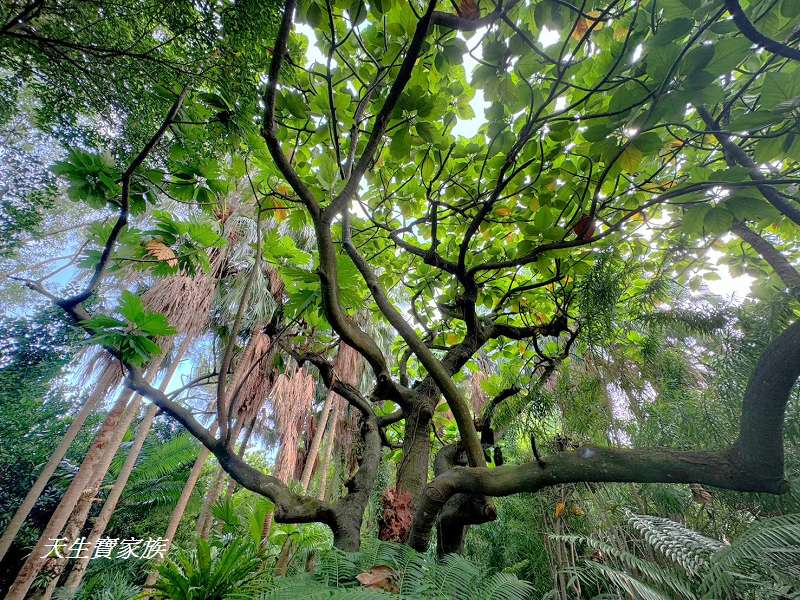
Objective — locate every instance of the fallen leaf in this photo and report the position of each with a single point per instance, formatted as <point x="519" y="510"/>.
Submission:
<point x="379" y="577"/>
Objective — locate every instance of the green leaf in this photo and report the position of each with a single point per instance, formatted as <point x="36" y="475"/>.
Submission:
<point x="779" y="87"/>
<point x="400" y="144"/>
<point x="697" y="59"/>
<point x="728" y="53"/>
<point x="131" y="307"/>
<point x="156" y="325"/>
<point x="754" y="121"/>
<point x="100" y="322"/>
<point x="717" y="221"/>
<point x="671" y="31"/>
<point x="631" y="158"/>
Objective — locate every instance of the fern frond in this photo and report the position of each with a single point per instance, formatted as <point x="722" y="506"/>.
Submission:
<point x="654" y="574"/>
<point x="676" y="542"/>
<point x="625" y="582"/>
<point x="769" y="549"/>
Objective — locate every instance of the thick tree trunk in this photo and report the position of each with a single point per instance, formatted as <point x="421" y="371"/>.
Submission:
<point x="100" y="524"/>
<point x="50" y="467"/>
<point x="82" y="479"/>
<point x="412" y="474"/>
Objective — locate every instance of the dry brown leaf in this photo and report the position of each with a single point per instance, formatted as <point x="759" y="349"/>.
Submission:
<point x="469" y="9"/>
<point x="560" y="508"/>
<point x="380" y="577"/>
<point x="160" y="251"/>
<point x="700" y="494"/>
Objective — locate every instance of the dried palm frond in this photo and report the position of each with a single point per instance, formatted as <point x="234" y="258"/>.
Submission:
<point x="254" y="375"/>
<point x="347" y="367"/>
<point x="184" y="300"/>
<point x="291" y="397"/>
<point x="477" y="396"/>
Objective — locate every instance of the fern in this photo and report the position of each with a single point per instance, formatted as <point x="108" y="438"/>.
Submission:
<point x="678" y="543"/>
<point x="763" y="563"/>
<point x="770" y="549"/>
<point x="652" y="574"/>
<point x="415" y="575"/>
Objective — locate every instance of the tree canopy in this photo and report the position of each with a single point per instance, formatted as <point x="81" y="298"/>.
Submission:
<point x="535" y="185"/>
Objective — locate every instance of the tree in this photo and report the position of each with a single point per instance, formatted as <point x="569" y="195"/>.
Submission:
<point x="641" y="137"/>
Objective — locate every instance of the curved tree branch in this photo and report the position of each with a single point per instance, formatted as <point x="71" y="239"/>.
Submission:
<point x="784" y="269"/>
<point x="754" y="463"/>
<point x="755" y="36"/>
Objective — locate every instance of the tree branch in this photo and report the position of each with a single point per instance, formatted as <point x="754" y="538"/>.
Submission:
<point x="755" y="36"/>
<point x="754" y="463"/>
<point x="784" y="269"/>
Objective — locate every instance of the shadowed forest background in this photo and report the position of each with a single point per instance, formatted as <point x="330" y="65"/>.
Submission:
<point x="400" y="299"/>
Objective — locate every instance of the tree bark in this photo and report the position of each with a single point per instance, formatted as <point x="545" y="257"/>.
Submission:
<point x="82" y="479"/>
<point x="755" y="463"/>
<point x="100" y="524"/>
<point x="325" y="465"/>
<point x="734" y="154"/>
<point x="205" y="519"/>
<point x="412" y="473"/>
<point x="316" y="441"/>
<point x="782" y="267"/>
<point x="47" y="471"/>
<point x="81" y="510"/>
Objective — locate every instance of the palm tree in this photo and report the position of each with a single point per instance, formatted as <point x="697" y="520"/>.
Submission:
<point x="100" y="524"/>
<point x="109" y="377"/>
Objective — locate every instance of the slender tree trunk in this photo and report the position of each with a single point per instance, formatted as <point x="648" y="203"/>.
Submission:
<point x="242" y="450"/>
<point x="100" y="524"/>
<point x="325" y="465"/>
<point x="82" y="479"/>
<point x="180" y="507"/>
<point x="316" y="441"/>
<point x="75" y="524"/>
<point x="47" y="471"/>
<point x="206" y="518"/>
<point x="80" y="513"/>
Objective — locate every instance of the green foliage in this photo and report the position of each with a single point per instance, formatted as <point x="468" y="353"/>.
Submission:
<point x="762" y="563"/>
<point x="211" y="572"/>
<point x="414" y="575"/>
<point x="35" y="411"/>
<point x="134" y="337"/>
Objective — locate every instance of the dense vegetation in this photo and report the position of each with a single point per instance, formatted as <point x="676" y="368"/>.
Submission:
<point x="400" y="299"/>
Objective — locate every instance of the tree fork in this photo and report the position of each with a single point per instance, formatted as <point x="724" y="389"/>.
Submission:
<point x="753" y="464"/>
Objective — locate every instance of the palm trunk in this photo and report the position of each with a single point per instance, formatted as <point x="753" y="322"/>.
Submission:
<point x="330" y="431"/>
<point x="78" y="570"/>
<point x="58" y="520"/>
<point x="180" y="507"/>
<point x="316" y="441"/>
<point x="52" y="464"/>
<point x="77" y="520"/>
<point x="242" y="450"/>
<point x="206" y="518"/>
<point x="80" y="513"/>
